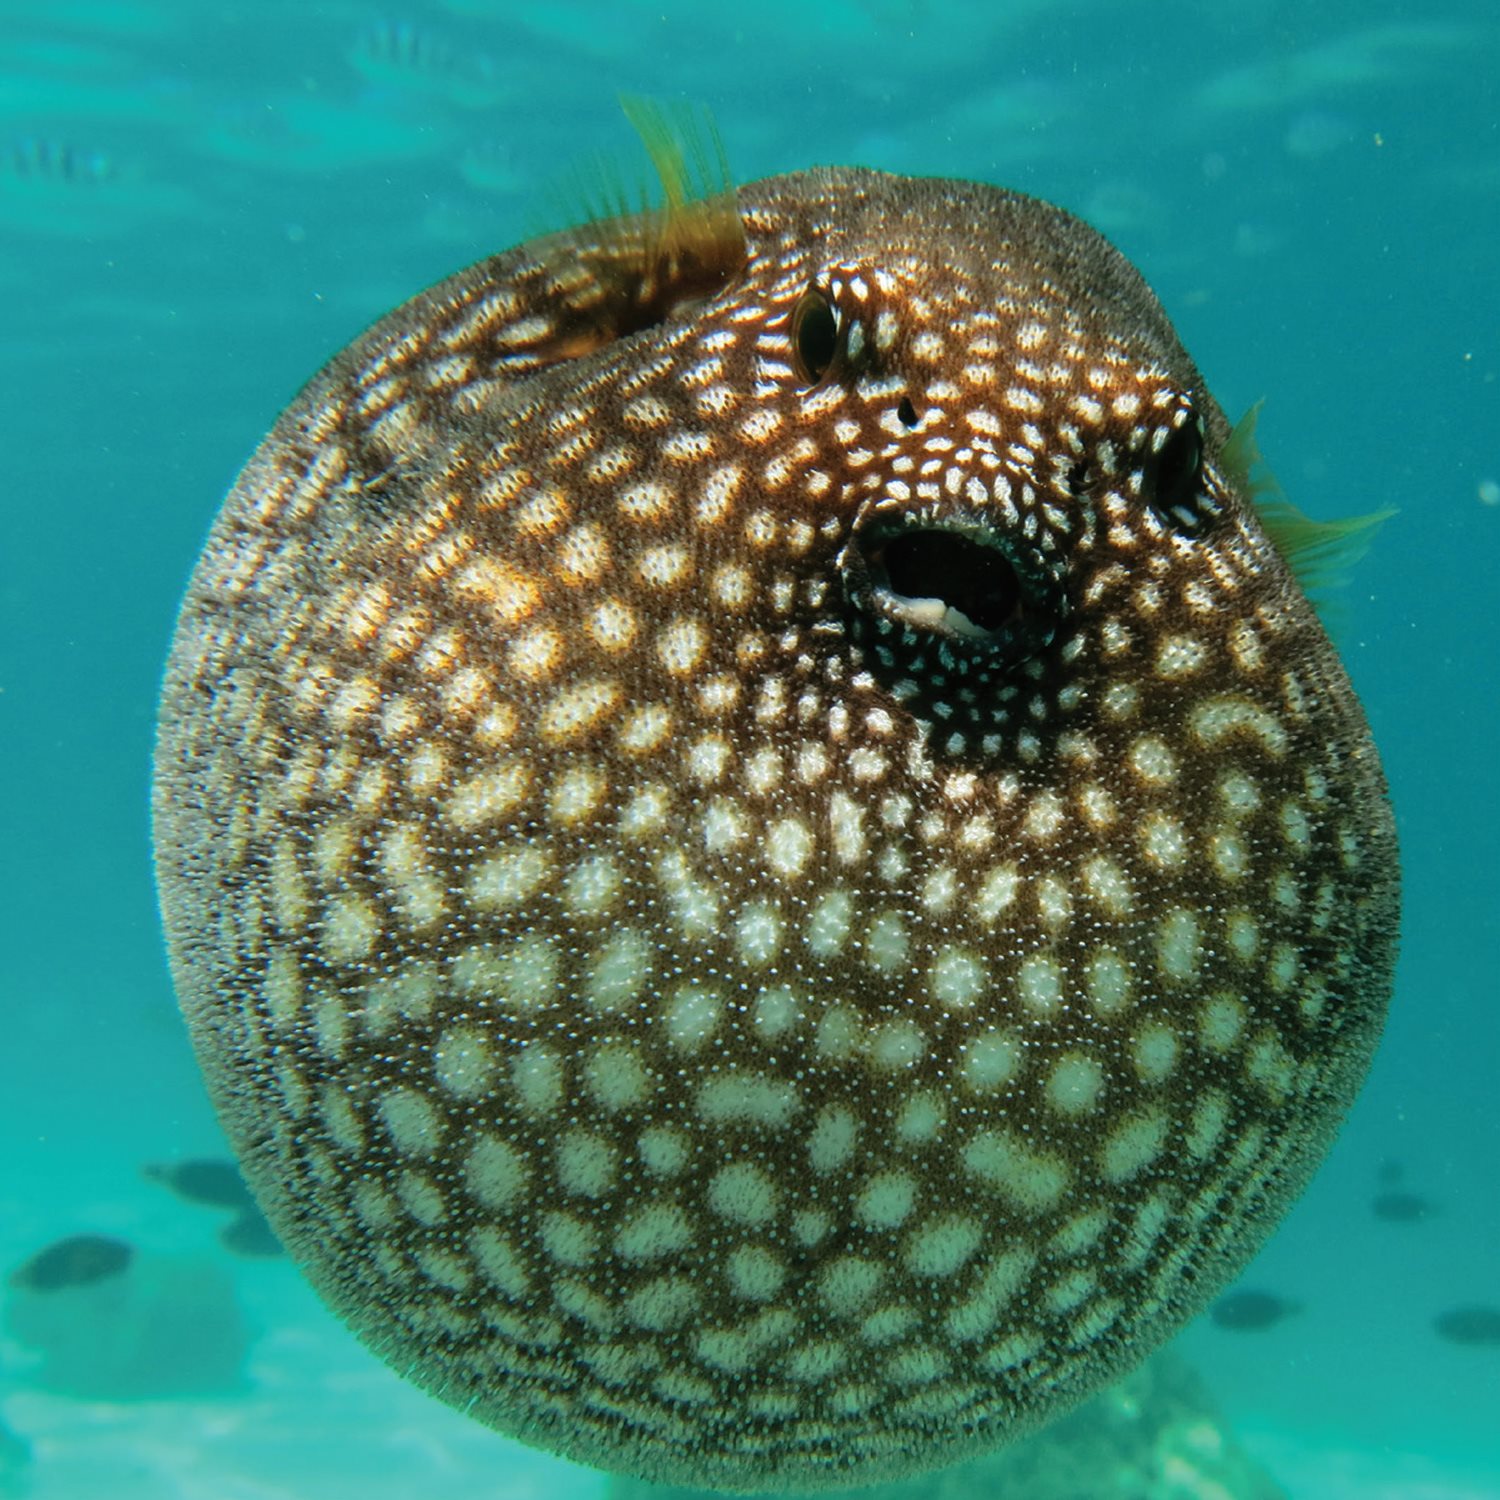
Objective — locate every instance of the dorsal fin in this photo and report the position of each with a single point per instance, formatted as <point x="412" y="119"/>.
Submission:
<point x="630" y="265"/>
<point x="1319" y="553"/>
<point x="699" y="223"/>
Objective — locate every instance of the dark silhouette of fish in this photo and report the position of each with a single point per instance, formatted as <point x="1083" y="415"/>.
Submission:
<point x="402" y="55"/>
<point x="39" y="160"/>
<point x="249" y="1234"/>
<point x="1473" y="1324"/>
<point x="1251" y="1311"/>
<point x="207" y="1181"/>
<point x="79" y="1260"/>
<point x="1401" y="1207"/>
<point x="768" y="864"/>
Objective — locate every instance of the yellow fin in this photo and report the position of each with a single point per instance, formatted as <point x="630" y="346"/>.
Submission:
<point x="1319" y="553"/>
<point x="700" y="217"/>
<point x="631" y="264"/>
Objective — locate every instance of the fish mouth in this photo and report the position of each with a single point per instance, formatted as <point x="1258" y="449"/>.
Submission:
<point x="952" y="577"/>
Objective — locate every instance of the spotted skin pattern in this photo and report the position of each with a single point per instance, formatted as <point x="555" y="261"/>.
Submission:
<point x="679" y="1003"/>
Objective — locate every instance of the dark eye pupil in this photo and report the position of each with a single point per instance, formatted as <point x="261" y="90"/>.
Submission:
<point x="815" y="336"/>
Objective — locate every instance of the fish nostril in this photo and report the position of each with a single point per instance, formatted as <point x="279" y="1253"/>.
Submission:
<point x="977" y="581"/>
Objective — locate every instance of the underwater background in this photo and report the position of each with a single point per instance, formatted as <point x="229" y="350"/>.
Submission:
<point x="202" y="200"/>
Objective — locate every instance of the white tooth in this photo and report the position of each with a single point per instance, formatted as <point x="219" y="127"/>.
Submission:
<point x="960" y="624"/>
<point x="923" y="611"/>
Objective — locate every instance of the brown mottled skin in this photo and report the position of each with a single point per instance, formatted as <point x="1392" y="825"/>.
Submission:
<point x="770" y="898"/>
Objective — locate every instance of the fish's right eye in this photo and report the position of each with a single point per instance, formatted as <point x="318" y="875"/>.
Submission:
<point x="817" y="335"/>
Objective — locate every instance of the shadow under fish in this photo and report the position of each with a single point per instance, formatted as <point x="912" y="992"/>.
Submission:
<point x="170" y="1328"/>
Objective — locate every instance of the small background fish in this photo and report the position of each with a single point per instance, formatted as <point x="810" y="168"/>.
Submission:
<point x="1252" y="1311"/>
<point x="211" y="1182"/>
<point x="1401" y="1208"/>
<point x="1473" y="1324"/>
<point x="79" y="1260"/>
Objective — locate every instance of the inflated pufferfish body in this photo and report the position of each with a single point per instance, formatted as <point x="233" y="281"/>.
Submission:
<point x="771" y="875"/>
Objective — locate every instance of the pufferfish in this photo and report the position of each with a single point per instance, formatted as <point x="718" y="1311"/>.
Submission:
<point x="770" y="871"/>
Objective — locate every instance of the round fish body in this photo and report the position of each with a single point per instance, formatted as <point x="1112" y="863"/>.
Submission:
<point x="772" y="884"/>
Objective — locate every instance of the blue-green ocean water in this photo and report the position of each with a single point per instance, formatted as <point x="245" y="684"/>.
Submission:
<point x="200" y="202"/>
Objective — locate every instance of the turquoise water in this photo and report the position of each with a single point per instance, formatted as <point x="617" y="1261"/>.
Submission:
<point x="200" y="202"/>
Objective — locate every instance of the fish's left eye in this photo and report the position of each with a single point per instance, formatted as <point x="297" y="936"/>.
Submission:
<point x="1177" y="486"/>
<point x="817" y="335"/>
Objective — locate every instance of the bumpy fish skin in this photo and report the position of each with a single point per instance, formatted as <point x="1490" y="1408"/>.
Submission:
<point x="679" y="998"/>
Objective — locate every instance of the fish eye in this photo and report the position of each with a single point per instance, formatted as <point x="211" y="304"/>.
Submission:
<point x="816" y="335"/>
<point x="1178" y="489"/>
